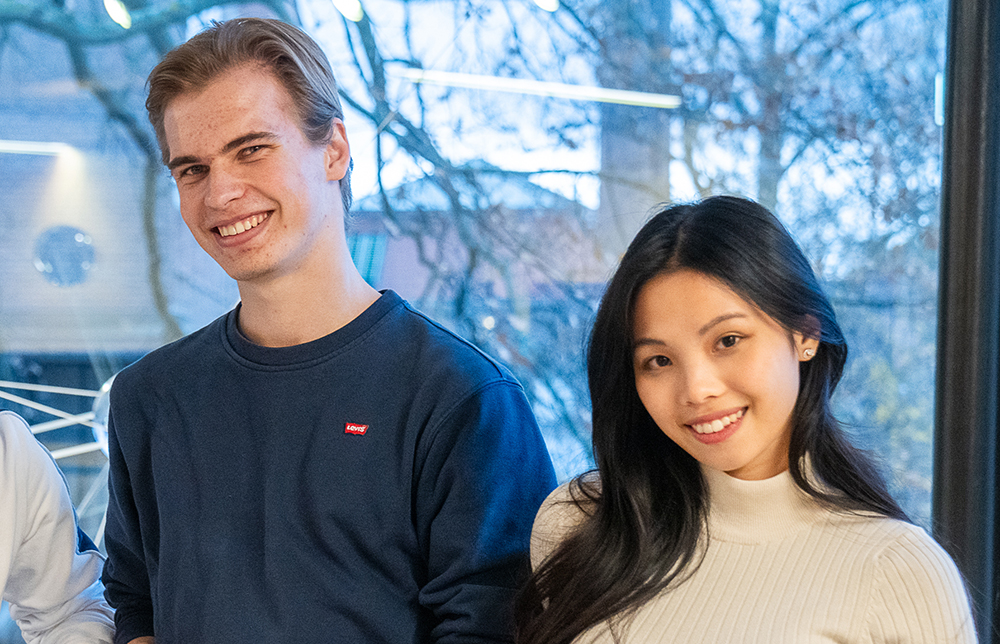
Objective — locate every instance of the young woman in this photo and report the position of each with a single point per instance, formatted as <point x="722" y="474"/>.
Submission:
<point x="727" y="505"/>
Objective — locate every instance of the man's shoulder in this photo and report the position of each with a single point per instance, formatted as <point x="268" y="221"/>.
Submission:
<point x="181" y="354"/>
<point x="437" y="350"/>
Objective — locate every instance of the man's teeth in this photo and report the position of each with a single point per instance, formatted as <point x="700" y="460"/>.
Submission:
<point x="241" y="226"/>
<point x="717" y="424"/>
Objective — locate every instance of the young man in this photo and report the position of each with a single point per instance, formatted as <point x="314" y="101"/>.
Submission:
<point x="323" y="463"/>
<point x="48" y="568"/>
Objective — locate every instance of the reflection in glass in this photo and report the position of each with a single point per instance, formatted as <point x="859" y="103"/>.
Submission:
<point x="64" y="255"/>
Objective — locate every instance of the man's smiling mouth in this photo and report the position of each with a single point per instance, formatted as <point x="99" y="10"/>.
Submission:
<point x="242" y="226"/>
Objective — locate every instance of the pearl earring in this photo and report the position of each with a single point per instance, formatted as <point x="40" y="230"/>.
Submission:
<point x="808" y="353"/>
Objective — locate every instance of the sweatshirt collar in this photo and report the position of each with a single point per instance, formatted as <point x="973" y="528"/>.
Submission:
<point x="304" y="355"/>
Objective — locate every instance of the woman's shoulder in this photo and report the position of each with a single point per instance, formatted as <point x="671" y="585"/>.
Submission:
<point x="889" y="543"/>
<point x="910" y="554"/>
<point x="564" y="510"/>
<point x="917" y="585"/>
<point x="888" y="540"/>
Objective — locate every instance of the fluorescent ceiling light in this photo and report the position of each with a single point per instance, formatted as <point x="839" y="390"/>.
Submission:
<point x="539" y="88"/>
<point x="34" y="147"/>
<point x="351" y="9"/>
<point x="548" y="5"/>
<point x="118" y="12"/>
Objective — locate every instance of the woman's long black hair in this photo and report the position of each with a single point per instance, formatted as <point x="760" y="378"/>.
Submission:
<point x="647" y="510"/>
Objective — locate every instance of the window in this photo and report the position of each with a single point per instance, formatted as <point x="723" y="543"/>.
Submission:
<point x="497" y="207"/>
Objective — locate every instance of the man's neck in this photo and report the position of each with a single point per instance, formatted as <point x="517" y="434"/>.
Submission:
<point x="295" y="309"/>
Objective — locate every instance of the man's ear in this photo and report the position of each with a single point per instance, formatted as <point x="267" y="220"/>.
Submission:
<point x="337" y="157"/>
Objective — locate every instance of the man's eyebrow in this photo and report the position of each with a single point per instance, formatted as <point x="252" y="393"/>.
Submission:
<point x="226" y="149"/>
<point x="247" y="138"/>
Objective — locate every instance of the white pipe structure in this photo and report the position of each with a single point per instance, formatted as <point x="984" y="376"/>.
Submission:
<point x="100" y="481"/>
<point x="59" y="423"/>
<point x="49" y="389"/>
<point x="76" y="450"/>
<point x="58" y="413"/>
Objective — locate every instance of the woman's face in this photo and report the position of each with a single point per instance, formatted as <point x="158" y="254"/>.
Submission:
<point x="717" y="375"/>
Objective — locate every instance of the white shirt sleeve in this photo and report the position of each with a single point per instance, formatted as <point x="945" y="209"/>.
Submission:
<point x="54" y="590"/>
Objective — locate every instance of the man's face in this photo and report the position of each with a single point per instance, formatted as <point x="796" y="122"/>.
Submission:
<point x="259" y="197"/>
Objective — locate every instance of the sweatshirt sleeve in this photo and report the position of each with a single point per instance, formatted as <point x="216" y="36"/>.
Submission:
<point x="52" y="583"/>
<point x="125" y="573"/>
<point x="485" y="473"/>
<point x="918" y="595"/>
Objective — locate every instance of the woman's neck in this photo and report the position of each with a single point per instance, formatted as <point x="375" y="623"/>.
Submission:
<point x="757" y="511"/>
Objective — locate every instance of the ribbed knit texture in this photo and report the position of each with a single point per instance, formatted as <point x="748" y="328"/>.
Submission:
<point x="781" y="569"/>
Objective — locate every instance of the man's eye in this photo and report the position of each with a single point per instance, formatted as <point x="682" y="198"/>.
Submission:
<point x="250" y="151"/>
<point x="191" y="171"/>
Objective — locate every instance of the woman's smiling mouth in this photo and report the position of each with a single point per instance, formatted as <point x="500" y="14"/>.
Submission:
<point x="718" y="424"/>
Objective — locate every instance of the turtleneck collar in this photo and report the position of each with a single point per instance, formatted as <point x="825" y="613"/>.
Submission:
<point x="757" y="511"/>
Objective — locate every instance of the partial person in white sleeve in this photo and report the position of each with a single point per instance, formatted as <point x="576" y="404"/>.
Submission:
<point x="49" y="569"/>
<point x="728" y="505"/>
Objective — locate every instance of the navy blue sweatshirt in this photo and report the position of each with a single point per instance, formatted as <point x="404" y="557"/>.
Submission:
<point x="375" y="485"/>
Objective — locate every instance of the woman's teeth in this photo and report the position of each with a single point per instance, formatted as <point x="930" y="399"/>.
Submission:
<point x="718" y="424"/>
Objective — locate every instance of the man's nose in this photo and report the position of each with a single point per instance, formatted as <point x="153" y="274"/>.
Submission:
<point x="224" y="186"/>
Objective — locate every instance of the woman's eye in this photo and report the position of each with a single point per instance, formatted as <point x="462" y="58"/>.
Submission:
<point x="659" y="361"/>
<point x="729" y="341"/>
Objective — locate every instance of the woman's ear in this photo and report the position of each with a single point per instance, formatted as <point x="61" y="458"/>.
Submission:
<point x="805" y="347"/>
<point x="807" y="342"/>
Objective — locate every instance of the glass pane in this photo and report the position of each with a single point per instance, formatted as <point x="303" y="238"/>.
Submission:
<point x="497" y="207"/>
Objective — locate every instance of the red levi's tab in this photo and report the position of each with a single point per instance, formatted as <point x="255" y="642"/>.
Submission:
<point x="354" y="428"/>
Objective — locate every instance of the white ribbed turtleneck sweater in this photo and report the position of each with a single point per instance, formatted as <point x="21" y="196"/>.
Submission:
<point x="781" y="569"/>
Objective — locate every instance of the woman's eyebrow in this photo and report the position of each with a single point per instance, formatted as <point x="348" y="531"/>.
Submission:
<point x="719" y="319"/>
<point x="646" y="342"/>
